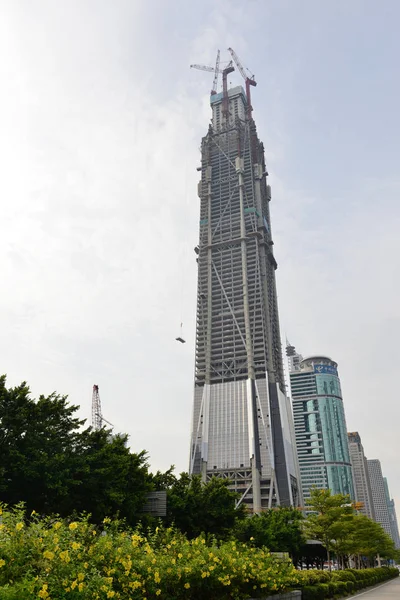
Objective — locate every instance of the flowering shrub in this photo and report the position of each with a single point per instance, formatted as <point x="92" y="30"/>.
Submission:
<point x="55" y="560"/>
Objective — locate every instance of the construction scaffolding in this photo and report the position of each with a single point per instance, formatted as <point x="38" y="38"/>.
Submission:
<point x="239" y="378"/>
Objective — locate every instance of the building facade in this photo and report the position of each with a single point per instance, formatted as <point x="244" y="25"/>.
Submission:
<point x="242" y="427"/>
<point x="394" y="527"/>
<point x="362" y="484"/>
<point x="379" y="495"/>
<point x="320" y="427"/>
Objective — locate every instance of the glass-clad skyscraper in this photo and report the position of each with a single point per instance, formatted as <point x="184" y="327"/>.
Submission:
<point x="242" y="427"/>
<point x="320" y="427"/>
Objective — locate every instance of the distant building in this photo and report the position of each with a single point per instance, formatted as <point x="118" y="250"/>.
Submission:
<point x="320" y="426"/>
<point x="379" y="495"/>
<point x="362" y="484"/>
<point x="392" y="515"/>
<point x="294" y="358"/>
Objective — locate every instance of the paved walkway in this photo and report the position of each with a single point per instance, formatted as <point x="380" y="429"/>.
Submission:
<point x="385" y="591"/>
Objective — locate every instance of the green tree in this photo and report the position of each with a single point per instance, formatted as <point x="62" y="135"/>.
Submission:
<point x="195" y="507"/>
<point x="278" y="529"/>
<point x="329" y="515"/>
<point x="55" y="465"/>
<point x="39" y="448"/>
<point x="112" y="479"/>
<point x="369" y="539"/>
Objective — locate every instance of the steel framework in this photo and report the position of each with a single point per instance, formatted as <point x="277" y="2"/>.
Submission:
<point x="240" y="405"/>
<point x="97" y="419"/>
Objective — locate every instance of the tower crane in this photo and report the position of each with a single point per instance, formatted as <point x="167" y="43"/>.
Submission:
<point x="214" y="70"/>
<point x="248" y="80"/>
<point x="97" y="419"/>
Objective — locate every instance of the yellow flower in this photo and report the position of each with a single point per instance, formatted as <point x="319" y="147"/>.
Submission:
<point x="187" y="586"/>
<point x="19" y="526"/>
<point x="180" y="555"/>
<point x="32" y="513"/>
<point x="65" y="556"/>
<point x="75" y="546"/>
<point x="80" y="586"/>
<point x="106" y="520"/>
<point x="110" y="594"/>
<point x="2" y="562"/>
<point x="49" y="555"/>
<point x="73" y="525"/>
<point x="1" y="511"/>
<point x="85" y="565"/>
<point x="57" y="525"/>
<point x="74" y="584"/>
<point x="81" y="576"/>
<point x="158" y="592"/>
<point x="43" y="592"/>
<point x="157" y="577"/>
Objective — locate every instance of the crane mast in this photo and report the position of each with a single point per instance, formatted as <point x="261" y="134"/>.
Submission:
<point x="217" y="71"/>
<point x="97" y="419"/>
<point x="248" y="81"/>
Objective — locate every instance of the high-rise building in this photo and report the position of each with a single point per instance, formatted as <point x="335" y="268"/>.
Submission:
<point x="379" y="495"/>
<point x="294" y="358"/>
<point x="320" y="427"/>
<point x="362" y="485"/>
<point x="394" y="527"/>
<point x="242" y="425"/>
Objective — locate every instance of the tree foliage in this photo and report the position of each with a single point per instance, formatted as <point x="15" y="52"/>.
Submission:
<point x="335" y="523"/>
<point x="55" y="465"/>
<point x="195" y="507"/>
<point x="278" y="529"/>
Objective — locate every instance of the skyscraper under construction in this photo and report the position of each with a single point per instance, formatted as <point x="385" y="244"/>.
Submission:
<point x="242" y="426"/>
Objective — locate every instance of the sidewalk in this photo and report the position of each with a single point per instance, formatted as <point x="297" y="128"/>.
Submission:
<point x="385" y="591"/>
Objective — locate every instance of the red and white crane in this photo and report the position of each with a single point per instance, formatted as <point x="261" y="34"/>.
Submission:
<point x="248" y="80"/>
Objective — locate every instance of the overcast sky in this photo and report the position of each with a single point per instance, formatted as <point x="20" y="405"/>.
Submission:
<point x="101" y="121"/>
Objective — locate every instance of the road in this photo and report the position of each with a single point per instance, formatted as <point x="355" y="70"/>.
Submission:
<point x="386" y="591"/>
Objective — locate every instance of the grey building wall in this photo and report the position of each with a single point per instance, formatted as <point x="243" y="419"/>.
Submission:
<point x="379" y="495"/>
<point x="394" y="527"/>
<point x="362" y="484"/>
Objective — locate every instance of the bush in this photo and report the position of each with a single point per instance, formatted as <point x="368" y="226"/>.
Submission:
<point x="345" y="576"/>
<point x="318" y="591"/>
<point x="318" y="585"/>
<point x="340" y="588"/>
<point x="313" y="577"/>
<point x="52" y="559"/>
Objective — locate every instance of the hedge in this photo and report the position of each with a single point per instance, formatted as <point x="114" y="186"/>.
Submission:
<point x="318" y="585"/>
